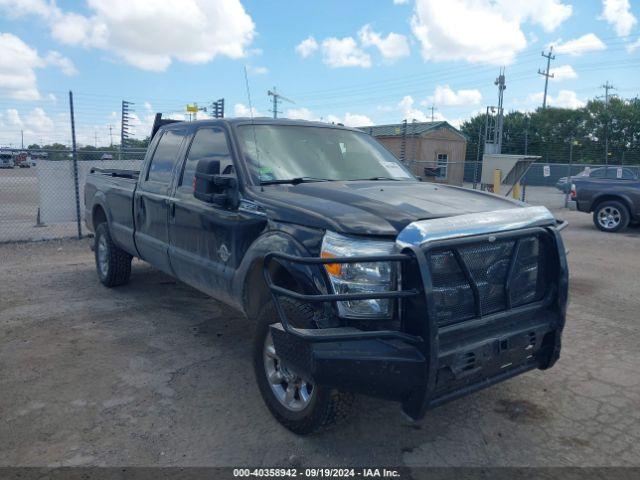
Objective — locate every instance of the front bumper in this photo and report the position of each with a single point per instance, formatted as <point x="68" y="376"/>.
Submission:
<point x="424" y="365"/>
<point x="394" y="369"/>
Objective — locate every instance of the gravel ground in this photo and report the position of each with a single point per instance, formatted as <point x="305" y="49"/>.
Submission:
<point x="155" y="373"/>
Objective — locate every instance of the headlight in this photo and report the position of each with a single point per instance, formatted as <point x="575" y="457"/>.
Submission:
<point x="360" y="277"/>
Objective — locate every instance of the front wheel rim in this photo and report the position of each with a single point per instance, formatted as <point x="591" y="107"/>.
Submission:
<point x="292" y="392"/>
<point x="103" y="256"/>
<point x="609" y="217"/>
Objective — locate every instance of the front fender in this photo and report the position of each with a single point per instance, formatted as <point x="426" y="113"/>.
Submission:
<point x="309" y="278"/>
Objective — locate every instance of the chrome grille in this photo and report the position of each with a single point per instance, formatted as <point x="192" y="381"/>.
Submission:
<point x="503" y="273"/>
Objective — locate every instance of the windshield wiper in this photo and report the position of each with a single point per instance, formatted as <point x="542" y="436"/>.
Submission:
<point x="295" y="181"/>
<point x="373" y="179"/>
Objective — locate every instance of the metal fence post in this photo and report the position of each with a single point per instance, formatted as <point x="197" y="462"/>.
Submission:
<point x="566" y="194"/>
<point x="74" y="154"/>
<point x="475" y="167"/>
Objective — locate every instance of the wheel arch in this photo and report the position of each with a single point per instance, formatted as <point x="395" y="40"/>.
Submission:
<point x="250" y="284"/>
<point x="606" y="197"/>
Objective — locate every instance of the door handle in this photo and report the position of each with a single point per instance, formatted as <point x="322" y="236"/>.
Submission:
<point x="172" y="209"/>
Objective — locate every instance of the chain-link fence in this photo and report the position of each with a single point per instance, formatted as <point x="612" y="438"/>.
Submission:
<point x="548" y="184"/>
<point x="38" y="196"/>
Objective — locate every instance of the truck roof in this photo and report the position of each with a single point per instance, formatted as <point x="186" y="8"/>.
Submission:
<point x="255" y="120"/>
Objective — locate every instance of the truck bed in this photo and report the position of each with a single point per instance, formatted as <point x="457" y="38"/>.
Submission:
<point x="110" y="192"/>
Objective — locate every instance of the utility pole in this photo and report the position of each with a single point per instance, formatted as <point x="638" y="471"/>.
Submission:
<point x="607" y="86"/>
<point x="95" y="139"/>
<point x="432" y="108"/>
<point x="276" y="97"/>
<point x="549" y="56"/>
<point x="22" y="139"/>
<point x="111" y="135"/>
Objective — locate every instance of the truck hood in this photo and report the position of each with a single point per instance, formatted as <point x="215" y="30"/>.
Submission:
<point x="373" y="207"/>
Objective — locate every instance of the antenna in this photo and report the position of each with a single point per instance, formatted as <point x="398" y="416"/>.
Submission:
<point x="253" y="125"/>
<point x="494" y="119"/>
<point x="277" y="97"/>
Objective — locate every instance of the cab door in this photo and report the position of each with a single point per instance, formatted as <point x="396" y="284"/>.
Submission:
<point x="152" y="201"/>
<point x="204" y="238"/>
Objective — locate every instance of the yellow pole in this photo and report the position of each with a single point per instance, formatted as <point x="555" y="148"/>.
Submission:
<point x="516" y="191"/>
<point x="497" y="179"/>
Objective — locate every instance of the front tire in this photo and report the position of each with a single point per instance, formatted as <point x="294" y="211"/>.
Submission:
<point x="296" y="403"/>
<point x="112" y="263"/>
<point x="611" y="216"/>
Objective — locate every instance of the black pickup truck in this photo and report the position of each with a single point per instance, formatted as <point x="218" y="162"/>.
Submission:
<point x="359" y="277"/>
<point x="614" y="202"/>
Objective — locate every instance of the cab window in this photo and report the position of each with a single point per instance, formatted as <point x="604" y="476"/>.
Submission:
<point x="165" y="156"/>
<point x="209" y="142"/>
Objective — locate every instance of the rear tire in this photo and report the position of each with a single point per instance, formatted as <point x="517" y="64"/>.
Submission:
<point x="309" y="409"/>
<point x="112" y="263"/>
<point x="611" y="216"/>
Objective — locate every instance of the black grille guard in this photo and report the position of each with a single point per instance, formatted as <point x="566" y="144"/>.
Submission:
<point x="409" y="253"/>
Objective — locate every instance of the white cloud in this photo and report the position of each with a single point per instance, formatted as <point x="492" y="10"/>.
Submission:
<point x="447" y="97"/>
<point x="300" y="114"/>
<point x="63" y="63"/>
<point x="391" y="47"/>
<point x="400" y="2"/>
<point x="241" y="110"/>
<point x="548" y="14"/>
<point x="577" y="46"/>
<point x="563" y="72"/>
<point x="151" y="34"/>
<point x="632" y="47"/>
<point x="19" y="8"/>
<point x="567" y="99"/>
<point x="38" y="121"/>
<point x="307" y="47"/>
<point x="409" y="111"/>
<point x="564" y="99"/>
<point x="348" y="119"/>
<point x="18" y="62"/>
<point x="344" y="52"/>
<point x="356" y="120"/>
<point x="618" y="13"/>
<point x="256" y="70"/>
<point x="481" y="30"/>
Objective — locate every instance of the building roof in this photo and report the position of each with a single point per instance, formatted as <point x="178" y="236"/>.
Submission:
<point x="413" y="128"/>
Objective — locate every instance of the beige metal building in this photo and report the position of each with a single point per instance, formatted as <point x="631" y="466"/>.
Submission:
<point x="434" y="151"/>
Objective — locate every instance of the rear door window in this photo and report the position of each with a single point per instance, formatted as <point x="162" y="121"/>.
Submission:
<point x="165" y="157"/>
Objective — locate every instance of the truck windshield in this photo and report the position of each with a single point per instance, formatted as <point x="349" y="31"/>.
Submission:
<point x="277" y="153"/>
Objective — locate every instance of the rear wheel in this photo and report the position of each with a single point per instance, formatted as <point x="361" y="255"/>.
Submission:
<point x="611" y="216"/>
<point x="112" y="263"/>
<point x="297" y="403"/>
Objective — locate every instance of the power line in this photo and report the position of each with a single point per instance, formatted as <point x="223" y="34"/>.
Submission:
<point x="549" y="56"/>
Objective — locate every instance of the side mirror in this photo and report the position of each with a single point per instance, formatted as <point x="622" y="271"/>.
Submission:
<point x="211" y="187"/>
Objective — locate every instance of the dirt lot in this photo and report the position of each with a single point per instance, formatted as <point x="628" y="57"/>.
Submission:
<point x="154" y="373"/>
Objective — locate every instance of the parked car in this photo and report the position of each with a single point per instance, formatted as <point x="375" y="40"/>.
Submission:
<point x="600" y="172"/>
<point x="6" y="159"/>
<point x="614" y="203"/>
<point x="22" y="160"/>
<point x="359" y="277"/>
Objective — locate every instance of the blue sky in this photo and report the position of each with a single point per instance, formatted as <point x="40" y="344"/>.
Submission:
<point x="355" y="62"/>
